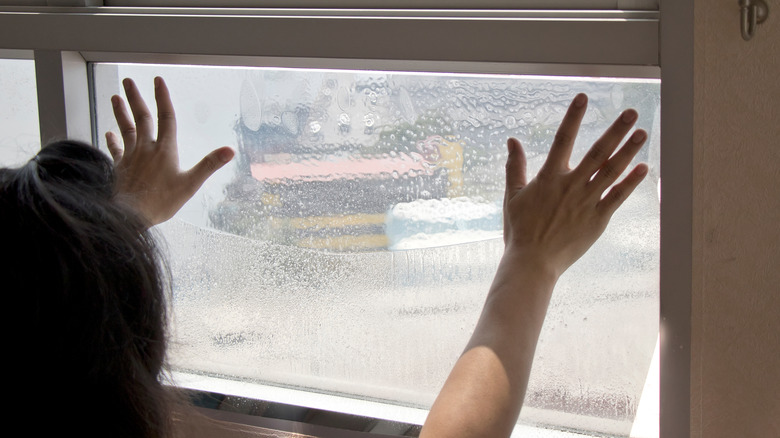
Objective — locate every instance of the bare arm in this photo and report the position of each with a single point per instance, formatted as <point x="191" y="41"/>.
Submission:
<point x="549" y="223"/>
<point x="148" y="174"/>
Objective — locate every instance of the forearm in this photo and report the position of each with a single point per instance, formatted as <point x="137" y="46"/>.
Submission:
<point x="485" y="390"/>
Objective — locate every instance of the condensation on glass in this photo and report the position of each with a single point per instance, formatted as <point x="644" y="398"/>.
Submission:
<point x="349" y="246"/>
<point x="19" y="133"/>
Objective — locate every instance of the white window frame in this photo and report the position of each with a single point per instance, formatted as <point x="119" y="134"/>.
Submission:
<point x="603" y="43"/>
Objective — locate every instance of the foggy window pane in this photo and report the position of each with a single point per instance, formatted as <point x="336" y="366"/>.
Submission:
<point x="19" y="134"/>
<point x="349" y="246"/>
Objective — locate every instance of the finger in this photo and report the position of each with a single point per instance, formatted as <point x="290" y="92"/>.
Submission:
<point x="602" y="149"/>
<point x="144" y="124"/>
<point x="208" y="165"/>
<point x="619" y="192"/>
<point x="114" y="148"/>
<point x="614" y="167"/>
<point x="560" y="151"/>
<point x="516" y="177"/>
<point x="124" y="122"/>
<point x="166" y="117"/>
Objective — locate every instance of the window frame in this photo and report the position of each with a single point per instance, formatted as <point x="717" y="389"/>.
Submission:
<point x="606" y="47"/>
<point x="464" y="36"/>
<point x="361" y="4"/>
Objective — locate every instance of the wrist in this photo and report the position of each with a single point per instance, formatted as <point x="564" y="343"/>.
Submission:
<point x="526" y="262"/>
<point x="516" y="303"/>
<point x="523" y="283"/>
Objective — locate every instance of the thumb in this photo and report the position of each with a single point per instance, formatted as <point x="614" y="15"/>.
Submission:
<point x="210" y="164"/>
<point x="515" y="177"/>
<point x="114" y="148"/>
<point x="515" y="166"/>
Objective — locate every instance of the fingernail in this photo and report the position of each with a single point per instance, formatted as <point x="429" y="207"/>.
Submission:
<point x="126" y="84"/>
<point x="642" y="170"/>
<point x="629" y="116"/>
<point x="638" y="136"/>
<point x="157" y="82"/>
<point x="115" y="100"/>
<point x="580" y="100"/>
<point x="226" y="155"/>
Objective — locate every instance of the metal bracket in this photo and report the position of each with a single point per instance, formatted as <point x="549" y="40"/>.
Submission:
<point x="752" y="13"/>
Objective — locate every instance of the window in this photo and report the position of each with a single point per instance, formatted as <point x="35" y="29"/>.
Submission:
<point x="349" y="247"/>
<point x="19" y="135"/>
<point x="278" y="263"/>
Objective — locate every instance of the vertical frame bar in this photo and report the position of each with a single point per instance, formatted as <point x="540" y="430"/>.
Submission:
<point x="676" y="58"/>
<point x="101" y="93"/>
<point x="63" y="96"/>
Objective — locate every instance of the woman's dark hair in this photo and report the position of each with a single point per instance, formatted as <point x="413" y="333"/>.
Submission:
<point x="85" y="299"/>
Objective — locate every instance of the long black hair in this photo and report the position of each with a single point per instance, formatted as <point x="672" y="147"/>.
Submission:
<point x="85" y="300"/>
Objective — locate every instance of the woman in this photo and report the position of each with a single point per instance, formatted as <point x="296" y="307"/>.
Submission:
<point x="88" y="291"/>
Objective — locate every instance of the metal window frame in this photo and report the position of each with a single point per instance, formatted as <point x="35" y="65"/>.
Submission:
<point x="611" y="43"/>
<point x="462" y="36"/>
<point x="676" y="282"/>
<point x="585" y="43"/>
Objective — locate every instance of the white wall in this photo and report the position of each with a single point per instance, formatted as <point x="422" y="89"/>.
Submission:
<point x="735" y="369"/>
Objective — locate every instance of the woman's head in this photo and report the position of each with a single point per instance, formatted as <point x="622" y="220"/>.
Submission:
<point x="85" y="293"/>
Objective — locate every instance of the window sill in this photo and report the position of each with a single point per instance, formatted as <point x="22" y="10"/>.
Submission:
<point x="392" y="420"/>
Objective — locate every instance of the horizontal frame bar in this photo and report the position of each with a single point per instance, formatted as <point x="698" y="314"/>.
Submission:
<point x="378" y="4"/>
<point x="579" y="70"/>
<point x="406" y="12"/>
<point x="16" y="54"/>
<point x="461" y="39"/>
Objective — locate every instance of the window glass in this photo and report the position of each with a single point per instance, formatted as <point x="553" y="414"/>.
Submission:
<point x="349" y="246"/>
<point x="19" y="134"/>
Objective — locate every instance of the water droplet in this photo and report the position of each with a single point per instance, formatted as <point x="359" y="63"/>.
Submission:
<point x="510" y="122"/>
<point x="344" y="98"/>
<point x="290" y="122"/>
<point x="616" y="96"/>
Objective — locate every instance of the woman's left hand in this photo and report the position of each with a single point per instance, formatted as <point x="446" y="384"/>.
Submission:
<point x="148" y="174"/>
